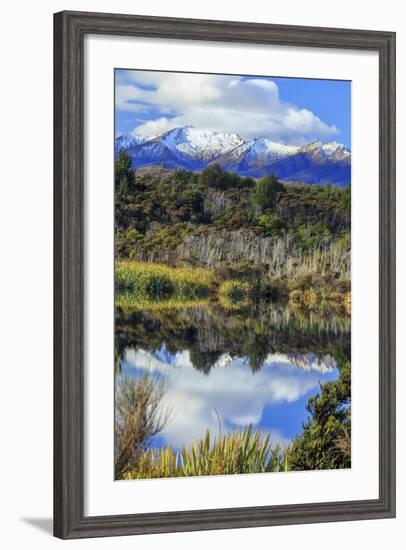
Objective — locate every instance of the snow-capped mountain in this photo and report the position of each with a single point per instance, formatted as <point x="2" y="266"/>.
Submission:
<point x="194" y="149"/>
<point x="128" y="140"/>
<point x="254" y="154"/>
<point x="307" y="361"/>
<point x="191" y="143"/>
<point x="185" y="147"/>
<point x="315" y="163"/>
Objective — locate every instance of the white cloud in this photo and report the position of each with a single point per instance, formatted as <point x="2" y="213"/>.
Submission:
<point x="154" y="127"/>
<point x="232" y="391"/>
<point x="252" y="107"/>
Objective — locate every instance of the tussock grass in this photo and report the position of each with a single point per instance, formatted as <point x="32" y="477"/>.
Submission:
<point x="144" y="284"/>
<point x="320" y="299"/>
<point x="311" y="283"/>
<point x="240" y="452"/>
<point x="233" y="294"/>
<point x="138" y="417"/>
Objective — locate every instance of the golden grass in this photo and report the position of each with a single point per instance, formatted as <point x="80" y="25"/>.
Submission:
<point x="127" y="304"/>
<point x="140" y="284"/>
<point x="143" y="285"/>
<point x="234" y="294"/>
<point x="320" y="299"/>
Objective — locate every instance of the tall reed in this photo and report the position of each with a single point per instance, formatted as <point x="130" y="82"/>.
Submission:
<point x="287" y="262"/>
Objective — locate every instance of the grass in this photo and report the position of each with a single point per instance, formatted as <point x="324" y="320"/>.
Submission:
<point x="323" y="261"/>
<point x="233" y="294"/>
<point x="320" y="299"/>
<point x="127" y="303"/>
<point x="138" y="418"/>
<point x="240" y="452"/>
<point x="140" y="283"/>
<point x="143" y="285"/>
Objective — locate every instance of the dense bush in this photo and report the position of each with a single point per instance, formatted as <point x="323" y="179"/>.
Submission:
<point x="322" y="443"/>
<point x="266" y="192"/>
<point x="215" y="176"/>
<point x="123" y="173"/>
<point x="156" y="209"/>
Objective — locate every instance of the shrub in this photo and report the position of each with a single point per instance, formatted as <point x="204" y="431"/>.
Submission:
<point x="325" y="440"/>
<point x="270" y="224"/>
<point x="311" y="235"/>
<point x="266" y="192"/>
<point x="215" y="176"/>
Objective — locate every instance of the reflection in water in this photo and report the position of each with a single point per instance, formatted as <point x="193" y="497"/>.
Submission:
<point x="232" y="391"/>
<point x="228" y="370"/>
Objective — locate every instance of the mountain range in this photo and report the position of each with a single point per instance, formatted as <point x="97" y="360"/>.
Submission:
<point x="194" y="149"/>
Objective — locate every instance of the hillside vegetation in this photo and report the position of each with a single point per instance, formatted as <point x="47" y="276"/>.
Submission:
<point x="283" y="236"/>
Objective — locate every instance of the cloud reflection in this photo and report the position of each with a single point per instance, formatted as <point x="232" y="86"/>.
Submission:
<point x="230" y="392"/>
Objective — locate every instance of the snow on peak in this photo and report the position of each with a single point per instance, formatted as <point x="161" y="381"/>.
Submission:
<point x="311" y="147"/>
<point x="335" y="150"/>
<point x="206" y="145"/>
<point x="265" y="149"/>
<point x="307" y="361"/>
<point x="332" y="149"/>
<point x="193" y="149"/>
<point x="201" y="144"/>
<point x="127" y="140"/>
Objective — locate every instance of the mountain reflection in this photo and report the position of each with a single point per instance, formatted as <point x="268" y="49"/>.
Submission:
<point x="224" y="372"/>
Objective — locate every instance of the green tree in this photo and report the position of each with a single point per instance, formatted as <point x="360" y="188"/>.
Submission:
<point x="123" y="173"/>
<point x="266" y="192"/>
<point x="324" y="440"/>
<point x="213" y="176"/>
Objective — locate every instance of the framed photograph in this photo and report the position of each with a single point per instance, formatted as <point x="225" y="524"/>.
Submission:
<point x="224" y="275"/>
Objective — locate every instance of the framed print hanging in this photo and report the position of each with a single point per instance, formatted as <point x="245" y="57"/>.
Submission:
<point x="224" y="274"/>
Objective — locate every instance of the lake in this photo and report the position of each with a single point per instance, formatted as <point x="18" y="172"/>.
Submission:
<point x="228" y="369"/>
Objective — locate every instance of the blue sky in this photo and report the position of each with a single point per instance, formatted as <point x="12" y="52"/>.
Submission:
<point x="289" y="110"/>
<point x="273" y="398"/>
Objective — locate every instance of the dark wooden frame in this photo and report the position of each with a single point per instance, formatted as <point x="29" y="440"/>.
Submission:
<point x="69" y="31"/>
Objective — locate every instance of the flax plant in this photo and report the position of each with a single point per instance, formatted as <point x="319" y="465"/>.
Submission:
<point x="240" y="452"/>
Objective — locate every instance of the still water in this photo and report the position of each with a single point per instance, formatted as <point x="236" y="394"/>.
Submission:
<point x="224" y="370"/>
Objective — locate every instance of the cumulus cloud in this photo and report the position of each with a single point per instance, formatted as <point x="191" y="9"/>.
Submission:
<point x="195" y="399"/>
<point x="250" y="107"/>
